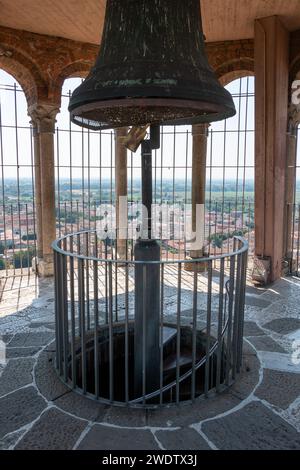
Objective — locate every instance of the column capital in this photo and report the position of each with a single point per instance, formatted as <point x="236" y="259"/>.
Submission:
<point x="293" y="118"/>
<point x="43" y="117"/>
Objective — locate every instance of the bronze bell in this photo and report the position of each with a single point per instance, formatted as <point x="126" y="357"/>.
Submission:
<point x="152" y="68"/>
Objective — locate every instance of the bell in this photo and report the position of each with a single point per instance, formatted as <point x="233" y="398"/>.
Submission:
<point x="152" y="68"/>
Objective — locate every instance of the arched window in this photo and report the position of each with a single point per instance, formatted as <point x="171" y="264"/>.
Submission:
<point x="84" y="162"/>
<point x="17" y="202"/>
<point x="85" y="172"/>
<point x="230" y="171"/>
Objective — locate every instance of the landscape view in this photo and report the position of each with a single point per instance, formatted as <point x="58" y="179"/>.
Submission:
<point x="229" y="212"/>
<point x="84" y="173"/>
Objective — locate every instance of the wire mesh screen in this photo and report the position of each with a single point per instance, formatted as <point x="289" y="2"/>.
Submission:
<point x="295" y="267"/>
<point x="85" y="175"/>
<point x="17" y="209"/>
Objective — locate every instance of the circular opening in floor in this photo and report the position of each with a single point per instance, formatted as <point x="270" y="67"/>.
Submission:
<point x="181" y="376"/>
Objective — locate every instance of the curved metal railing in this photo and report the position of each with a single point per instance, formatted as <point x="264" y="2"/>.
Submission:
<point x="200" y="330"/>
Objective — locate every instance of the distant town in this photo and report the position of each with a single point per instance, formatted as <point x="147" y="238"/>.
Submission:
<point x="229" y="212"/>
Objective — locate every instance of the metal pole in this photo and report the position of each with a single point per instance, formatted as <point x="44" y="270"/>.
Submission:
<point x="147" y="286"/>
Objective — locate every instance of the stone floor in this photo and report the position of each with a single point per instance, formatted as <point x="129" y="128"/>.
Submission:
<point x="261" y="411"/>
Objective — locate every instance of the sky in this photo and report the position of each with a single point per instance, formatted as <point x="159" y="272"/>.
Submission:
<point x="234" y="150"/>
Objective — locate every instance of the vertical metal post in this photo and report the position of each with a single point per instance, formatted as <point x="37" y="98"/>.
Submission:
<point x="64" y="313"/>
<point x="230" y="310"/>
<point x="96" y="325"/>
<point x="194" y="336"/>
<point x="178" y="339"/>
<point x="161" y="335"/>
<point x="73" y="328"/>
<point x="236" y="317"/>
<point x="126" y="333"/>
<point x="242" y="310"/>
<point x="147" y="186"/>
<point x="81" y="298"/>
<point x="56" y="290"/>
<point x="110" y="332"/>
<point x="147" y="286"/>
<point x="220" y="325"/>
<point x="208" y="329"/>
<point x="147" y="305"/>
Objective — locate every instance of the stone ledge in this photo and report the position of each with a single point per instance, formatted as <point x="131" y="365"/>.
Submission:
<point x="53" y="389"/>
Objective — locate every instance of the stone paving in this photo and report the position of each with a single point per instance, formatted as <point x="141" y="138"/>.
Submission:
<point x="260" y="411"/>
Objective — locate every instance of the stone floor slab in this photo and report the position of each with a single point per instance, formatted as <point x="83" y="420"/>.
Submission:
<point x="16" y="374"/>
<point x="284" y="326"/>
<point x="254" y="301"/>
<point x="10" y="440"/>
<point x="248" y="379"/>
<point x="12" y="353"/>
<point x="31" y="339"/>
<point x="107" y="438"/>
<point x="6" y="338"/>
<point x="279" y="388"/>
<point x="182" y="439"/>
<point x="265" y="343"/>
<point x="190" y="414"/>
<point x="252" y="329"/>
<point x="279" y="361"/>
<point x="254" y="427"/>
<point x="255" y="290"/>
<point x="123" y="417"/>
<point x="53" y="431"/>
<point x="47" y="379"/>
<point x="19" y="408"/>
<point x="50" y="326"/>
<point x="84" y="408"/>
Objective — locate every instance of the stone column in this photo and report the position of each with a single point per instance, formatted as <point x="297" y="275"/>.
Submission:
<point x="271" y="117"/>
<point x="44" y="117"/>
<point x="38" y="192"/>
<point x="121" y="191"/>
<point x="200" y="135"/>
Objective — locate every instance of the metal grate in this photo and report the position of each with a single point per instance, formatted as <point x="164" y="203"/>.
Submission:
<point x="17" y="210"/>
<point x="295" y="266"/>
<point x="196" y="343"/>
<point x="85" y="173"/>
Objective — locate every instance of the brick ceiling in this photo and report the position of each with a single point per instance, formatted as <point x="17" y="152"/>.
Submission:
<point x="82" y="20"/>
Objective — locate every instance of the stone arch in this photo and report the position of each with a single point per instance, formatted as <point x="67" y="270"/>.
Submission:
<point x="76" y="69"/>
<point x="25" y="73"/>
<point x="234" y="70"/>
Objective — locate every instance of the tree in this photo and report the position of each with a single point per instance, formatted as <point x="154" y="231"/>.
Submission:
<point x="30" y="236"/>
<point x="23" y="259"/>
<point x="2" y="264"/>
<point x="217" y="240"/>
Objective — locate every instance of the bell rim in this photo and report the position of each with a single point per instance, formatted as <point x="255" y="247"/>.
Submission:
<point x="216" y="111"/>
